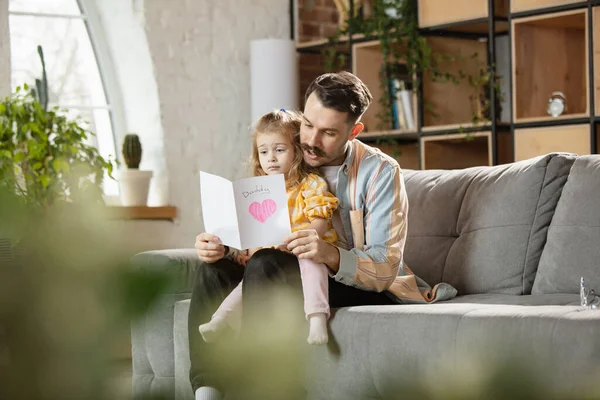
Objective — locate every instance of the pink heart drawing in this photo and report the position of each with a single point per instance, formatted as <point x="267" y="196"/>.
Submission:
<point x="262" y="212"/>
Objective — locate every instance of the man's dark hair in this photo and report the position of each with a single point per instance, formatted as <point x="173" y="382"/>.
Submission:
<point x="342" y="91"/>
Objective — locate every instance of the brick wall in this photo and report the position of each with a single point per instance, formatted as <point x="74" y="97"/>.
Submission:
<point x="317" y="19"/>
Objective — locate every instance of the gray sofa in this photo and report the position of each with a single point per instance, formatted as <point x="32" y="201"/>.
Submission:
<point x="513" y="239"/>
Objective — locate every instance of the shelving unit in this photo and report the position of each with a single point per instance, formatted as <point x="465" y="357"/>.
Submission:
<point x="553" y="46"/>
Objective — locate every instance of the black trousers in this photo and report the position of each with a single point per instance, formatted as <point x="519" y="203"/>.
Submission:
<point x="266" y="268"/>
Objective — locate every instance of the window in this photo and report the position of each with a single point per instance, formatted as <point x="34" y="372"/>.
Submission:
<point x="75" y="81"/>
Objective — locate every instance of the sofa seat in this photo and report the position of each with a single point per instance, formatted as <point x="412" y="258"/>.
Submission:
<point x="430" y="338"/>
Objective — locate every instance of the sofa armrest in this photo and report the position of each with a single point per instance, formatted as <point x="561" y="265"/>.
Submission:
<point x="183" y="388"/>
<point x="152" y="335"/>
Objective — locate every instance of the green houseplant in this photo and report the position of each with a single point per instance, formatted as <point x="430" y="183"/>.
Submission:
<point x="46" y="157"/>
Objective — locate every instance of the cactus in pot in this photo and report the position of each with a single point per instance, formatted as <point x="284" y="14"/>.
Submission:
<point x="133" y="183"/>
<point x="132" y="150"/>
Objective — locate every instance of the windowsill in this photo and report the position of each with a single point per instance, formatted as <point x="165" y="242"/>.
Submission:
<point x="142" y="213"/>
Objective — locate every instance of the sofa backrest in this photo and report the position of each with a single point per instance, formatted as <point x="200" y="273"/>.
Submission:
<point x="572" y="249"/>
<point x="483" y="229"/>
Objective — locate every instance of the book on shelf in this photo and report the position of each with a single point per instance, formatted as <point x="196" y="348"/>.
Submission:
<point x="403" y="105"/>
<point x="400" y="91"/>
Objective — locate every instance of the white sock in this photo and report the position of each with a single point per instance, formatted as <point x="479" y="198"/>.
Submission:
<point x="208" y="393"/>
<point x="211" y="330"/>
<point x="317" y="333"/>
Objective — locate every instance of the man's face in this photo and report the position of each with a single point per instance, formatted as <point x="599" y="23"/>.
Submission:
<point x="324" y="134"/>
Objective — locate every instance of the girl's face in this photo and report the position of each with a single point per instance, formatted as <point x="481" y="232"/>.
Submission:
<point x="275" y="153"/>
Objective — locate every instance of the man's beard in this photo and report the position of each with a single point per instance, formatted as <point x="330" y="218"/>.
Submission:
<point x="315" y="150"/>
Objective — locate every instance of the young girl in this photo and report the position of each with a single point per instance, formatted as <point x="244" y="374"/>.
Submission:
<point x="277" y="150"/>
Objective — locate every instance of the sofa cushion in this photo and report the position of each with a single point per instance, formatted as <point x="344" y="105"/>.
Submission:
<point x="573" y="247"/>
<point x="372" y="348"/>
<point x="380" y="348"/>
<point x="483" y="229"/>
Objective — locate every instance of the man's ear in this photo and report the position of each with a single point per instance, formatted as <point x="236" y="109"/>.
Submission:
<point x="356" y="129"/>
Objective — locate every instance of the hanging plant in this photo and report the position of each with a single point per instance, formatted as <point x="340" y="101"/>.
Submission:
<point x="395" y="24"/>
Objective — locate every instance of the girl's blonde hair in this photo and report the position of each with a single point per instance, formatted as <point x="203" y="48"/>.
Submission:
<point x="287" y="123"/>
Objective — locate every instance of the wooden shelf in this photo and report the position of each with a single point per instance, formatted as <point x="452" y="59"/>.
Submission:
<point x="533" y="142"/>
<point x="479" y="26"/>
<point x="409" y="133"/>
<point x="528" y="5"/>
<point x="451" y="102"/>
<point x="407" y="154"/>
<point x="142" y="212"/>
<point x="367" y="60"/>
<point x="317" y="44"/>
<point x="550" y="53"/>
<point x="439" y="12"/>
<point x="456" y="151"/>
<point x="550" y="118"/>
<point x="458" y="127"/>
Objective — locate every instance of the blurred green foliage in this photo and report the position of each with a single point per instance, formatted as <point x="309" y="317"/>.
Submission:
<point x="67" y="290"/>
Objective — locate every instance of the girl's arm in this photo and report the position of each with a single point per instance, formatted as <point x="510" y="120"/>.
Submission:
<point x="321" y="225"/>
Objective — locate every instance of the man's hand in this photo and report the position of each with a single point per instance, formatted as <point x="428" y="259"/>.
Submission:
<point x="307" y="244"/>
<point x="209" y="248"/>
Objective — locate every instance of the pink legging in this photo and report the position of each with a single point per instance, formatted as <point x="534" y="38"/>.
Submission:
<point x="314" y="287"/>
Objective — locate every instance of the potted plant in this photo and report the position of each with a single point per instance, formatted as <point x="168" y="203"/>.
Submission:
<point x="134" y="183"/>
<point x="45" y="157"/>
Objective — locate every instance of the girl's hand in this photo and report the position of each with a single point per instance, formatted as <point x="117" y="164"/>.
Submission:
<point x="242" y="257"/>
<point x="283" y="247"/>
<point x="209" y="248"/>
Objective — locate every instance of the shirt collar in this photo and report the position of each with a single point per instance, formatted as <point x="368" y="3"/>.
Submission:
<point x="349" y="157"/>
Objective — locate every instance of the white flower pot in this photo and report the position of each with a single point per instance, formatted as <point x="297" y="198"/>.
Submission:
<point x="133" y="186"/>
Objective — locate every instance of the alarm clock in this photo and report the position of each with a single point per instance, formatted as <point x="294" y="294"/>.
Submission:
<point x="556" y="104"/>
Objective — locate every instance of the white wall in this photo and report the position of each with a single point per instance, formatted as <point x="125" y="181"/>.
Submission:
<point x="4" y="50"/>
<point x="192" y="101"/>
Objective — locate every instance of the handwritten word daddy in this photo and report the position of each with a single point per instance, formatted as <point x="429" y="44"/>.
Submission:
<point x="256" y="190"/>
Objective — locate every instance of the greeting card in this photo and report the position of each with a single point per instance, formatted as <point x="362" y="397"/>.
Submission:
<point x="246" y="213"/>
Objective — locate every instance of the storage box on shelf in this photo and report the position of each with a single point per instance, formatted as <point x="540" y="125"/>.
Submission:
<point x="550" y="54"/>
<point x="533" y="142"/>
<point x="444" y="12"/>
<point x="529" y="5"/>
<point x="367" y="62"/>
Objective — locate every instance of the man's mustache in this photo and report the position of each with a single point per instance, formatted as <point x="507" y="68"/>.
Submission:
<point x="315" y="150"/>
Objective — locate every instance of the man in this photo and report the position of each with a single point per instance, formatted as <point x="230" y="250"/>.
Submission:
<point x="366" y="266"/>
